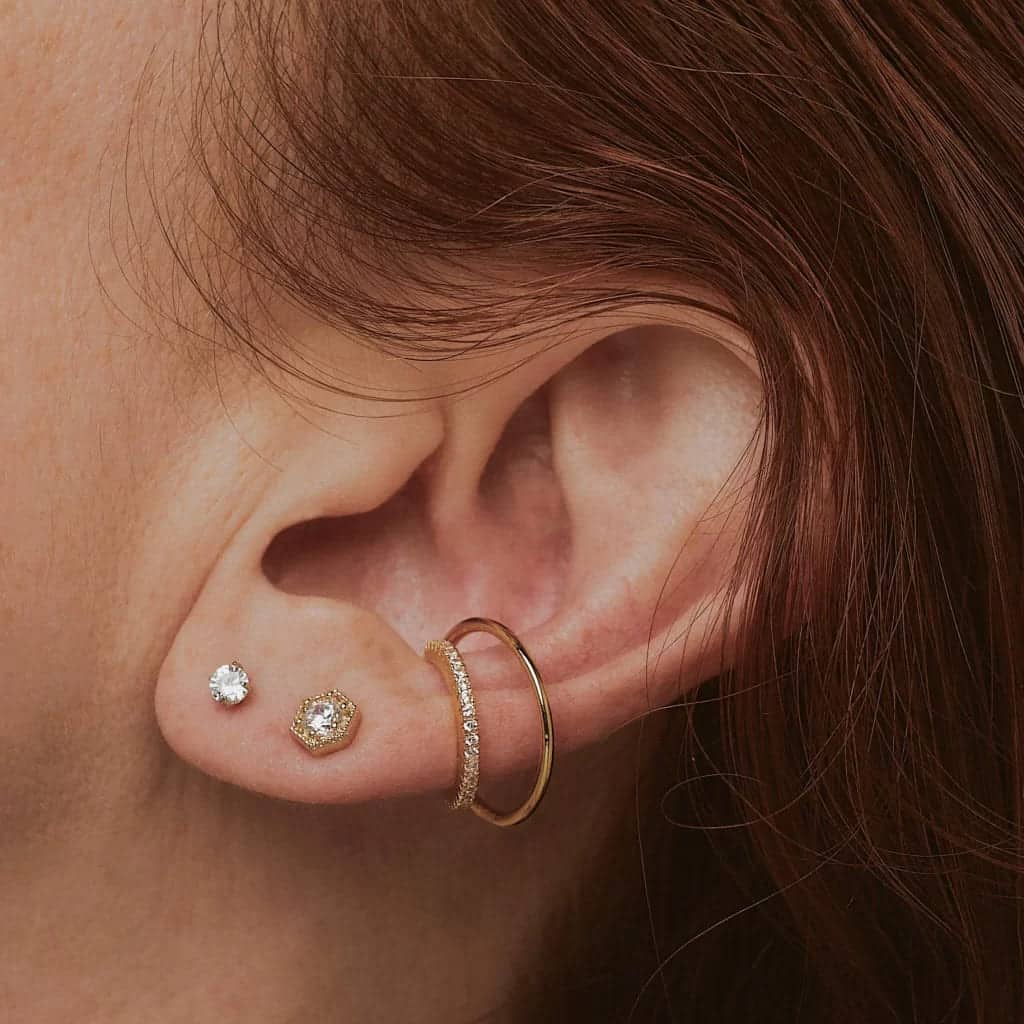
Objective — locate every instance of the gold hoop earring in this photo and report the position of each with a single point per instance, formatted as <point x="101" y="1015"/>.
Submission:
<point x="445" y="656"/>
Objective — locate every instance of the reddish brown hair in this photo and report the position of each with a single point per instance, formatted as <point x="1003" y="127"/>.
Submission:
<point x="848" y="176"/>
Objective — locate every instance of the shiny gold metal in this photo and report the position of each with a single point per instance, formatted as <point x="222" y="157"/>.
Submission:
<point x="326" y="722"/>
<point x="445" y="656"/>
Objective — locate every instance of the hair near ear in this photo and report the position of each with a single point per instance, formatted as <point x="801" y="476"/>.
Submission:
<point x="838" y="817"/>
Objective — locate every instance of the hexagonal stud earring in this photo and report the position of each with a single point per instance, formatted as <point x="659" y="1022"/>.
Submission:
<point x="325" y="722"/>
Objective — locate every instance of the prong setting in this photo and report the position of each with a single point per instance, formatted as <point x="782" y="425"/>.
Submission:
<point x="229" y="684"/>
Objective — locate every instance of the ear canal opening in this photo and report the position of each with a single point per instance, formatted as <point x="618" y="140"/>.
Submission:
<point x="504" y="556"/>
<point x="585" y="516"/>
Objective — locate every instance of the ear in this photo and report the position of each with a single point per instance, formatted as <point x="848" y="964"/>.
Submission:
<point x="589" y="498"/>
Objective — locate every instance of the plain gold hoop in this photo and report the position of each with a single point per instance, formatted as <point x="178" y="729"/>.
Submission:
<point x="444" y="655"/>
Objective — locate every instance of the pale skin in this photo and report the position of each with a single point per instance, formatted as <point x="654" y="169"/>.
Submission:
<point x="163" y="858"/>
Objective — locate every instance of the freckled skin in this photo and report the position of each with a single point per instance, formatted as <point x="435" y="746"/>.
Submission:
<point x="78" y="379"/>
<point x="126" y="465"/>
<point x="134" y="455"/>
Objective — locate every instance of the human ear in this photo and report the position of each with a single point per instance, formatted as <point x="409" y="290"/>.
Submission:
<point x="590" y="498"/>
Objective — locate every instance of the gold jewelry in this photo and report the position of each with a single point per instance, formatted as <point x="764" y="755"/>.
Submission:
<point x="326" y="722"/>
<point x="444" y="655"/>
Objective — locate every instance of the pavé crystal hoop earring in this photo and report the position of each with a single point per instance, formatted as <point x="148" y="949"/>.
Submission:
<point x="444" y="655"/>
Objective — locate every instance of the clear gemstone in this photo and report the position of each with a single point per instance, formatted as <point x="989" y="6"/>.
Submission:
<point x="325" y="722"/>
<point x="322" y="717"/>
<point x="229" y="684"/>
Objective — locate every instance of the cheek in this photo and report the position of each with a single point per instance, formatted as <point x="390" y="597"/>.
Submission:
<point x="85" y="437"/>
<point x="91" y="407"/>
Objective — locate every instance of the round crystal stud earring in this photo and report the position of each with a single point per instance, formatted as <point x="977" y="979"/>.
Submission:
<point x="229" y="684"/>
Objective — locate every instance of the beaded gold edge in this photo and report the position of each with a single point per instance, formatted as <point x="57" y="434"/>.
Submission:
<point x="444" y="655"/>
<point x="338" y="737"/>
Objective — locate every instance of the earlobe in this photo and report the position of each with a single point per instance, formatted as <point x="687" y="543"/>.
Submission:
<point x="408" y="737"/>
<point x="646" y="436"/>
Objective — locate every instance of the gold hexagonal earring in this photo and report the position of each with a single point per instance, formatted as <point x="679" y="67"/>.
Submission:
<point x="325" y="722"/>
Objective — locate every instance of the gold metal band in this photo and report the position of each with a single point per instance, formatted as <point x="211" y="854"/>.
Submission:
<point x="445" y="656"/>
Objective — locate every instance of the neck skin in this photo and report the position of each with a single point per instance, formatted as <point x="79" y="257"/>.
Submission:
<point x="162" y="896"/>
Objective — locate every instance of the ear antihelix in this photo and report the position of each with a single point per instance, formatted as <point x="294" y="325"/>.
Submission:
<point x="651" y="432"/>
